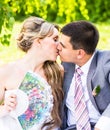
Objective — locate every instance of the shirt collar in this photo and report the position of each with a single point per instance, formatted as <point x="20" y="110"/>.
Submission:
<point x="86" y="66"/>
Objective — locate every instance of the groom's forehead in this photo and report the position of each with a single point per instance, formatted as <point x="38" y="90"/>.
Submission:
<point x="65" y="40"/>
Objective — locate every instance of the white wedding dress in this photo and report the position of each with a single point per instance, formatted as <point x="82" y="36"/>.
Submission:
<point x="34" y="105"/>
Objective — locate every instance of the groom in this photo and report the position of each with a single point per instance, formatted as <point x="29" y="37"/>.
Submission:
<point x="77" y="49"/>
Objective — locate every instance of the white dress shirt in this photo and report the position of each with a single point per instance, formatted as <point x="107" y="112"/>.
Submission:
<point x="93" y="113"/>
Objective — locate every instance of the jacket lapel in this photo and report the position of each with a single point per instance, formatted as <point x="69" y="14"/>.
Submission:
<point x="69" y="71"/>
<point x="89" y="78"/>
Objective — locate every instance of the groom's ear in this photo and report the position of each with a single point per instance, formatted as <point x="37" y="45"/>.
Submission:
<point x="80" y="53"/>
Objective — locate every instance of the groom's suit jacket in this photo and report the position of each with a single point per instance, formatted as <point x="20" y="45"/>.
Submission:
<point x="99" y="74"/>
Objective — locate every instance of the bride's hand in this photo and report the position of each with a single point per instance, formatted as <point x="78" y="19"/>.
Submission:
<point x="10" y="102"/>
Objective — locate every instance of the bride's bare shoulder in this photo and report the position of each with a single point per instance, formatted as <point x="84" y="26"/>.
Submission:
<point x="6" y="69"/>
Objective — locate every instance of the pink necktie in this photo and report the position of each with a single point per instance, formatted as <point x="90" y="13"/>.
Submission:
<point x="81" y="112"/>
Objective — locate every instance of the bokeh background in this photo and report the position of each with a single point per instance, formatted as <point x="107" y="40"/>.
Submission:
<point x="12" y="13"/>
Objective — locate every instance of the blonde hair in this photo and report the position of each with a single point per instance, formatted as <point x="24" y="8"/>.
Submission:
<point x="55" y="79"/>
<point x="35" y="27"/>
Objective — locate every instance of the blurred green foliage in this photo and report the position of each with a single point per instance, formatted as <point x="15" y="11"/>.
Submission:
<point x="6" y="22"/>
<point x="60" y="11"/>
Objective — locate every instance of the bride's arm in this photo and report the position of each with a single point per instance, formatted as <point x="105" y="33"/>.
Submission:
<point x="9" y="103"/>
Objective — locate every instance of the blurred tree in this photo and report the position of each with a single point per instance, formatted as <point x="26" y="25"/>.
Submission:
<point x="6" y="22"/>
<point x="61" y="11"/>
<point x="98" y="10"/>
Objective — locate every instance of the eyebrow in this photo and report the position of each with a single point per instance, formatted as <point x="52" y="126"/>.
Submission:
<point x="62" y="44"/>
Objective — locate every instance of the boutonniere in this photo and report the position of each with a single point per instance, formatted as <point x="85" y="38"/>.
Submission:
<point x="96" y="90"/>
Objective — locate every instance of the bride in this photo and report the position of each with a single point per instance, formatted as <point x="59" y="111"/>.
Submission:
<point x="31" y="87"/>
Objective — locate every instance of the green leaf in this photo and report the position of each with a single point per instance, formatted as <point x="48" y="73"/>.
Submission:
<point x="97" y="89"/>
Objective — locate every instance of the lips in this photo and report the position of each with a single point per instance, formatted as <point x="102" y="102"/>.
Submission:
<point x="57" y="52"/>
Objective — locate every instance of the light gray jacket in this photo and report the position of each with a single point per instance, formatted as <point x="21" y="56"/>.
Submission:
<point x="99" y="74"/>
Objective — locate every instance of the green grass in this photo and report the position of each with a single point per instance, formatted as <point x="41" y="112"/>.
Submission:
<point x="10" y="53"/>
<point x="104" y="32"/>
